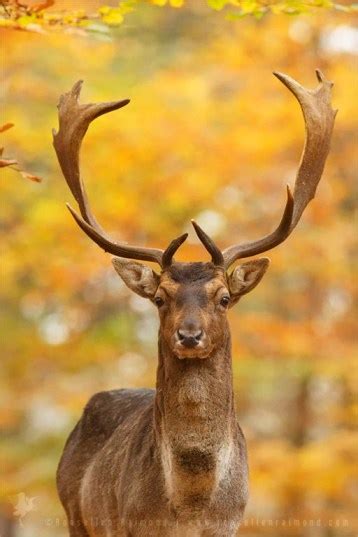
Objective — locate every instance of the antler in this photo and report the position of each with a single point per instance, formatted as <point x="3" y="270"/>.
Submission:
<point x="74" y="120"/>
<point x="319" y="120"/>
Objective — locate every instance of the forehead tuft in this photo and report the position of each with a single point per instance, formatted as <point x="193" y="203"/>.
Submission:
<point x="192" y="272"/>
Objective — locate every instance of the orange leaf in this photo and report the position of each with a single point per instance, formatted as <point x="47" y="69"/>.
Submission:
<point x="5" y="127"/>
<point x="7" y="162"/>
<point x="42" y="5"/>
<point x="31" y="177"/>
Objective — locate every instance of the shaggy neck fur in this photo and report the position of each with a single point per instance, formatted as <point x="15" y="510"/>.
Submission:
<point x="195" y="424"/>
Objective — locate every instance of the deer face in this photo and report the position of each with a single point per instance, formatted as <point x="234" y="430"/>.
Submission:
<point x="192" y="300"/>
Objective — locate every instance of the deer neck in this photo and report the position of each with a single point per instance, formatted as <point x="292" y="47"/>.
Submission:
<point x="195" y="422"/>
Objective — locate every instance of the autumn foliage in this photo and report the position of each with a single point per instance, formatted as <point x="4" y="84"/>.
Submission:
<point x="209" y="134"/>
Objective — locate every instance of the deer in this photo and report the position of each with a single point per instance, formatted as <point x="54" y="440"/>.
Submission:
<point x="173" y="461"/>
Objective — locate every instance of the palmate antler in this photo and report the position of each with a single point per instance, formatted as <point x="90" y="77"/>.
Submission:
<point x="319" y="120"/>
<point x="74" y="120"/>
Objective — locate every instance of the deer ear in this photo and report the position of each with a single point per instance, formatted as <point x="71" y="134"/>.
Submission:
<point x="245" y="277"/>
<point x="140" y="278"/>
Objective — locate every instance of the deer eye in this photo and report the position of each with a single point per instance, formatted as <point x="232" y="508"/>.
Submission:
<point x="159" y="301"/>
<point x="225" y="301"/>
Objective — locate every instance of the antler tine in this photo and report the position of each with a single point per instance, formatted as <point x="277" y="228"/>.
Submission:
<point x="216" y="255"/>
<point x="74" y="120"/>
<point x="171" y="249"/>
<point x="116" y="248"/>
<point x="248" y="249"/>
<point x="319" y="120"/>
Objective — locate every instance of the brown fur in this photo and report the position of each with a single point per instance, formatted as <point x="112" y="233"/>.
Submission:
<point x="169" y="462"/>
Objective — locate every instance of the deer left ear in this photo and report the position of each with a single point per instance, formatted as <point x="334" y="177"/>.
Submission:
<point x="139" y="278"/>
<point x="245" y="277"/>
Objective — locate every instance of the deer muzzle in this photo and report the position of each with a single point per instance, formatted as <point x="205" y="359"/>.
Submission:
<point x="191" y="342"/>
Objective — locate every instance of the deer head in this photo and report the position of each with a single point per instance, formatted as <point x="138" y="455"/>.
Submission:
<point x="193" y="298"/>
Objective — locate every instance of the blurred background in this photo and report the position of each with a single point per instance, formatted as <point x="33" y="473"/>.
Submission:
<point x="209" y="134"/>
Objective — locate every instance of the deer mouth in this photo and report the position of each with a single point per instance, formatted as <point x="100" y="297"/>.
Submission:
<point x="199" y="352"/>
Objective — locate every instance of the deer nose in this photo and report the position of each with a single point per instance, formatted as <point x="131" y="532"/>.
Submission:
<point x="189" y="338"/>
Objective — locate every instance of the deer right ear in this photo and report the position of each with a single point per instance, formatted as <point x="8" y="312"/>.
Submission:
<point x="139" y="278"/>
<point x="246" y="276"/>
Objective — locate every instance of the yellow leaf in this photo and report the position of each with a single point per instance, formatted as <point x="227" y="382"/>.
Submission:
<point x="159" y="2"/>
<point x="111" y="16"/>
<point x="104" y="10"/>
<point x="113" y="19"/>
